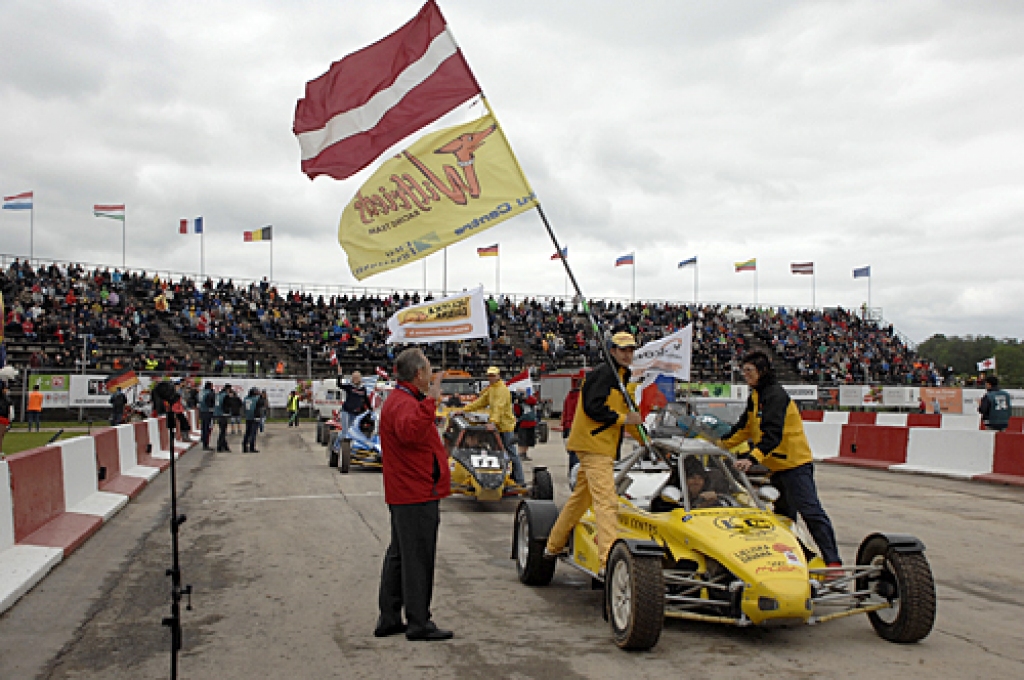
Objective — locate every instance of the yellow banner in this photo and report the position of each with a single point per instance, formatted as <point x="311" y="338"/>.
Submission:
<point x="447" y="186"/>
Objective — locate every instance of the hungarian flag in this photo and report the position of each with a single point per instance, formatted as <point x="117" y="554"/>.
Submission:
<point x="114" y="212"/>
<point x="124" y="380"/>
<point x="264" y="234"/>
<point x="373" y="98"/>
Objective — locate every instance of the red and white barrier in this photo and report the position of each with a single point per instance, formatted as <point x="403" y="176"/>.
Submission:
<point x="873" y="446"/>
<point x="21" y="566"/>
<point x="955" y="453"/>
<point x="823" y="439"/>
<point x="52" y="500"/>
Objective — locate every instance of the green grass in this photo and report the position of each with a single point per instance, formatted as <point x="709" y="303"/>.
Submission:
<point x="15" y="442"/>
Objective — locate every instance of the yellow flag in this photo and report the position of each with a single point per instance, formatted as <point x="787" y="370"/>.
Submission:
<point x="447" y="186"/>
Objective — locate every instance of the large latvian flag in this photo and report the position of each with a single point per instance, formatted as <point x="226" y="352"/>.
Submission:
<point x="264" y="234"/>
<point x="124" y="380"/>
<point x="373" y="98"/>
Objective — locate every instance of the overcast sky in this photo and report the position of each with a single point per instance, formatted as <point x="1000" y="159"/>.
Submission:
<point x="847" y="134"/>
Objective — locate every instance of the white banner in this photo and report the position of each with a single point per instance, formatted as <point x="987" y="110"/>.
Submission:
<point x="669" y="356"/>
<point x="802" y="392"/>
<point x="901" y="397"/>
<point x="459" y="317"/>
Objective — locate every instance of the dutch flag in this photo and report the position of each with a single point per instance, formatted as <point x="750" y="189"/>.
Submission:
<point x="22" y="201"/>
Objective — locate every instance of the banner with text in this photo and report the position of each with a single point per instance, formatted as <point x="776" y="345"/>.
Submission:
<point x="459" y="317"/>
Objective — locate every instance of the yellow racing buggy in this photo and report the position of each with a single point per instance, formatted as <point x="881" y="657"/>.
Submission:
<point x="480" y="466"/>
<point x="697" y="541"/>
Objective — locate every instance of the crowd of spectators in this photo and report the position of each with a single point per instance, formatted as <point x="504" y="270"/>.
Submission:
<point x="116" y="317"/>
<point x="836" y="346"/>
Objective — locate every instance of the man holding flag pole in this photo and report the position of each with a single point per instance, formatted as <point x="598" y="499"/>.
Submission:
<point x="445" y="187"/>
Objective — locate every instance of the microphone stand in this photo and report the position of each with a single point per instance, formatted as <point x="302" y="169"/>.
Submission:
<point x="177" y="590"/>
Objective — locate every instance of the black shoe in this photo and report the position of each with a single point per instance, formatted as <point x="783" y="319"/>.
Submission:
<point x="431" y="634"/>
<point x="253" y="451"/>
<point x="385" y="631"/>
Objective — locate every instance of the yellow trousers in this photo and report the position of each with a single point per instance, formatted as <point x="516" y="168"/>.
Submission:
<point x="595" y="486"/>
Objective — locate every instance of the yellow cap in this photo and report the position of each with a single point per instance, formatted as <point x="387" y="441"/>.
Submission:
<point x="623" y="340"/>
<point x="493" y="370"/>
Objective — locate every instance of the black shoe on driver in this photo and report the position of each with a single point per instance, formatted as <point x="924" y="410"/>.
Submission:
<point x="385" y="631"/>
<point x="431" y="634"/>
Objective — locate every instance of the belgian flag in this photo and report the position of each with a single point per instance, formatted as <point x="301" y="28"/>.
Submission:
<point x="264" y="234"/>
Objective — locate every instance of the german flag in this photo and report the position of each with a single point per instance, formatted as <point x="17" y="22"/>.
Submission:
<point x="124" y="380"/>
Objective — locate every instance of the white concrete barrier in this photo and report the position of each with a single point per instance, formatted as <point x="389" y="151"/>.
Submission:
<point x="824" y="439"/>
<point x="836" y="417"/>
<point x="153" y="425"/>
<point x="81" y="485"/>
<point x="891" y="419"/>
<point x="955" y="453"/>
<point x="21" y="566"/>
<point x="961" y="421"/>
<point x="128" y="455"/>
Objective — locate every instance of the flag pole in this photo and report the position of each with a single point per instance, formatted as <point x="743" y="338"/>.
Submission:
<point x="271" y="257"/>
<point x="497" y="274"/>
<point x="595" y="326"/>
<point x="755" y="285"/>
<point x="32" y="229"/>
<point x="202" y="255"/>
<point x="124" y="238"/>
<point x="633" y="290"/>
<point x="695" y="265"/>
<point x="814" y="286"/>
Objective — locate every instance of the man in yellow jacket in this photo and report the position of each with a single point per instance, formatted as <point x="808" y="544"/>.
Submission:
<point x="602" y="413"/>
<point x="497" y="399"/>
<point x="772" y="423"/>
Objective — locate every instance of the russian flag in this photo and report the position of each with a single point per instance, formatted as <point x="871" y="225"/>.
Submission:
<point x="521" y="382"/>
<point x="21" y="201"/>
<point x="625" y="259"/>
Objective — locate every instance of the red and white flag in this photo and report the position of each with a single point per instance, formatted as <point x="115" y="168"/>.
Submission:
<point x="521" y="382"/>
<point x="987" y="364"/>
<point x="373" y="98"/>
<point x="381" y="373"/>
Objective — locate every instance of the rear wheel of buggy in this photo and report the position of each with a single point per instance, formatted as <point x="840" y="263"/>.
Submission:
<point x="906" y="581"/>
<point x="635" y="598"/>
<point x="543" y="486"/>
<point x="332" y="452"/>
<point x="346" y="455"/>
<point x="532" y="567"/>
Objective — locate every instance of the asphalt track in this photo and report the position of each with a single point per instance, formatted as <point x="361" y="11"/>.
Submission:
<point x="284" y="555"/>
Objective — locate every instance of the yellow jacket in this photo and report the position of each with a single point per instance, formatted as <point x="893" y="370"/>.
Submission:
<point x="499" y="400"/>
<point x="601" y="413"/>
<point x="773" y="423"/>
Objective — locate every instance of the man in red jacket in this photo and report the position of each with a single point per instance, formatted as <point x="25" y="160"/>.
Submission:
<point x="416" y="478"/>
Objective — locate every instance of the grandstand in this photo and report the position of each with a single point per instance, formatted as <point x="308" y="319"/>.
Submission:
<point x="60" y="315"/>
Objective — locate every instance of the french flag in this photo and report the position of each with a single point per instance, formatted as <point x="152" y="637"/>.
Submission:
<point x="624" y="260"/>
<point x="374" y="98"/>
<point x="21" y="201"/>
<point x="197" y="226"/>
<point x="521" y="382"/>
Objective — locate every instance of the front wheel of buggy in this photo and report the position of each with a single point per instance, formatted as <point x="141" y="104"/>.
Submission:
<point x="333" y="451"/>
<point x="532" y="567"/>
<point x="906" y="582"/>
<point x="543" y="486"/>
<point x="635" y="598"/>
<point x="346" y="456"/>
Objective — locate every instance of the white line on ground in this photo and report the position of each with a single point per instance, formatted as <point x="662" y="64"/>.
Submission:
<point x="288" y="498"/>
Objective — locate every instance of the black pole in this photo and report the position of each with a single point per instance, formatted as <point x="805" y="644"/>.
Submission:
<point x="177" y="591"/>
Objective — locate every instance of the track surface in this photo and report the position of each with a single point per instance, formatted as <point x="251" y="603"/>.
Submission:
<point x="284" y="555"/>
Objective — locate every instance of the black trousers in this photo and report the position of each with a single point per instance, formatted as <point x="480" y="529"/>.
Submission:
<point x="407" y="579"/>
<point x="798" y="494"/>
<point x="249" y="438"/>
<point x="205" y="427"/>
<point x="222" y="427"/>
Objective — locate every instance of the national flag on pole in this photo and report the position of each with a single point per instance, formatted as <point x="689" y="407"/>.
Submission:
<point x="747" y="266"/>
<point x="489" y="251"/>
<point x="124" y="380"/>
<point x="563" y="253"/>
<point x="862" y="272"/>
<point x="197" y="226"/>
<point x="264" y="234"/>
<point x="375" y="97"/>
<point x="114" y="212"/>
<point x="520" y="382"/>
<point x="624" y="260"/>
<point x="801" y="268"/>
<point x="987" y="364"/>
<point x="687" y="263"/>
<point x="22" y="201"/>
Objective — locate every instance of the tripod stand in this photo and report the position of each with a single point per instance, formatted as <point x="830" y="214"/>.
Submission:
<point x="177" y="590"/>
